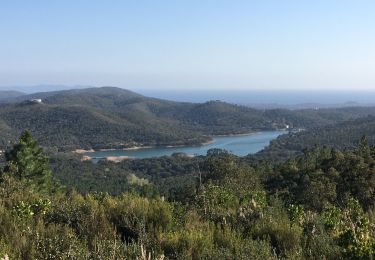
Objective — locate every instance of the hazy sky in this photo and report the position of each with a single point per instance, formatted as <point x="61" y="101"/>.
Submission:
<point x="193" y="44"/>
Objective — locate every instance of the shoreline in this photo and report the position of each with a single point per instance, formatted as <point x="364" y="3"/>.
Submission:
<point x="83" y="151"/>
<point x="119" y="158"/>
<point x="244" y="134"/>
<point x="125" y="149"/>
<point x="86" y="156"/>
<point x="251" y="133"/>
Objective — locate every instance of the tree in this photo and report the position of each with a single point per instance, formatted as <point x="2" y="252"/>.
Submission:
<point x="364" y="148"/>
<point x="27" y="162"/>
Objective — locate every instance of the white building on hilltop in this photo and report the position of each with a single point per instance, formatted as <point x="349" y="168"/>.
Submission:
<point x="37" y="100"/>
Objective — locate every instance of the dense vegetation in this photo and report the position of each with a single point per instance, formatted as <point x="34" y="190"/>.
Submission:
<point x="316" y="203"/>
<point x="112" y="118"/>
<point x="319" y="205"/>
<point x="171" y="176"/>
<point x="343" y="135"/>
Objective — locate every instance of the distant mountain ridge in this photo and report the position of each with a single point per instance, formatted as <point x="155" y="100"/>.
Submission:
<point x="71" y="95"/>
<point x="6" y="95"/>
<point x="110" y="117"/>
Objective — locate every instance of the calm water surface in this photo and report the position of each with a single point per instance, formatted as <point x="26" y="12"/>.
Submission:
<point x="240" y="145"/>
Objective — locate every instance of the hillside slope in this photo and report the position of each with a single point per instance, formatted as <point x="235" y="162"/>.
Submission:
<point x="341" y="135"/>
<point x="111" y="117"/>
<point x="6" y="95"/>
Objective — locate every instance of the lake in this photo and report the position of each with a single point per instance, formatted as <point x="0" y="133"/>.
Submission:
<point x="240" y="145"/>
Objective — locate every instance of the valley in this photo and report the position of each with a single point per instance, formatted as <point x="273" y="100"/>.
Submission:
<point x="187" y="130"/>
<point x="239" y="145"/>
<point x="114" y="118"/>
<point x="109" y="156"/>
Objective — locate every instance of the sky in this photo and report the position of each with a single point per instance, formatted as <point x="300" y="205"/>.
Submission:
<point x="189" y="44"/>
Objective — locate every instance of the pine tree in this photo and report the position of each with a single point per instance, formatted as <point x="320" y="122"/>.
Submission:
<point x="364" y="148"/>
<point x="28" y="163"/>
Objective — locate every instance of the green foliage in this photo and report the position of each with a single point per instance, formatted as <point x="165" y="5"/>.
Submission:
<point x="173" y="177"/>
<point x="116" y="118"/>
<point x="23" y="210"/>
<point x="217" y="203"/>
<point x="238" y="211"/>
<point x="276" y="227"/>
<point x="332" y="219"/>
<point x="354" y="234"/>
<point x="339" y="135"/>
<point x="324" y="176"/>
<point x="351" y="228"/>
<point x="296" y="214"/>
<point x="28" y="158"/>
<point x="28" y="163"/>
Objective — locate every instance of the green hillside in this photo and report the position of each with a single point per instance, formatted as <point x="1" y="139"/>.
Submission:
<point x="6" y="95"/>
<point x="341" y="135"/>
<point x="111" y="117"/>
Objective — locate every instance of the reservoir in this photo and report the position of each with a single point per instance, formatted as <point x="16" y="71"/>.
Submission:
<point x="240" y="145"/>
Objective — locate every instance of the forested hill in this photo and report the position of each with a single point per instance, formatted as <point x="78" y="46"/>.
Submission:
<point x="111" y="117"/>
<point x="344" y="135"/>
<point x="9" y="95"/>
<point x="104" y="97"/>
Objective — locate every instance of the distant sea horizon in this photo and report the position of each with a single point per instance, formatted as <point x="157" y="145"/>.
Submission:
<point x="255" y="98"/>
<point x="269" y="98"/>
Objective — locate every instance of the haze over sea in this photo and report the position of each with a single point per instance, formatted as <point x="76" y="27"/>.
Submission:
<point x="258" y="98"/>
<point x="269" y="98"/>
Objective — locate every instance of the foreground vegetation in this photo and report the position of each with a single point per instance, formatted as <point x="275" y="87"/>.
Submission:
<point x="319" y="205"/>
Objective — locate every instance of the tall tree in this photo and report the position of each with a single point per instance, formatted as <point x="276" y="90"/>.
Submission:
<point x="28" y="162"/>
